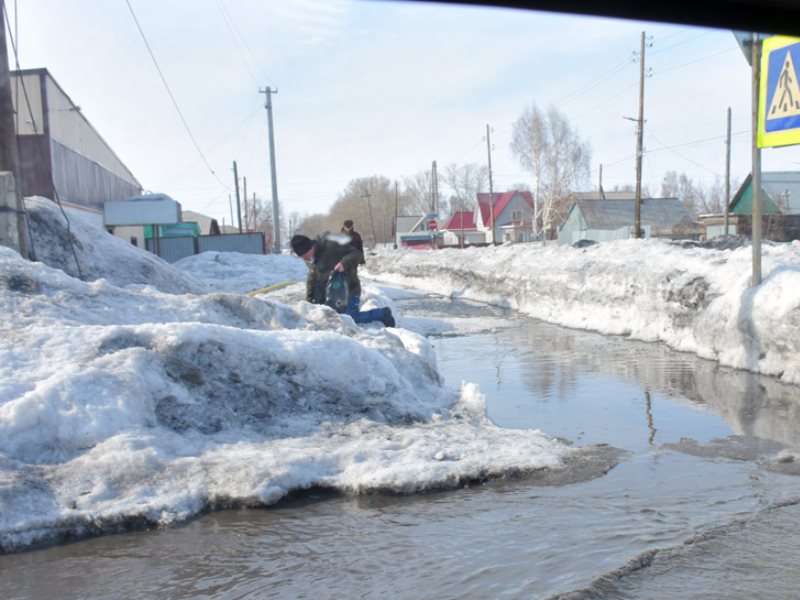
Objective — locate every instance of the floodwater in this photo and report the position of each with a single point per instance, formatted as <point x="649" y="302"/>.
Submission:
<point x="703" y="505"/>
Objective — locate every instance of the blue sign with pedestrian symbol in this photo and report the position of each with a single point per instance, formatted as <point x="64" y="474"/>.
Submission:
<point x="779" y="97"/>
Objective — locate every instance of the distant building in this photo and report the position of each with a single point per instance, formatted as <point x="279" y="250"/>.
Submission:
<point x="599" y="220"/>
<point x="460" y="230"/>
<point x="505" y="217"/>
<point x="780" y="209"/>
<point x="60" y="153"/>
<point x="207" y="225"/>
<point x="418" y="231"/>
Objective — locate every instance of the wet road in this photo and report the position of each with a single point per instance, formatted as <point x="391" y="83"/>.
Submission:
<point x="703" y="506"/>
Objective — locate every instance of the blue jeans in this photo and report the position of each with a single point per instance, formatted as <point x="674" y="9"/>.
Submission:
<point x="362" y="316"/>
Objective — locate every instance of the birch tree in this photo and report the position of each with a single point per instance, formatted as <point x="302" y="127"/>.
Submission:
<point x="545" y="144"/>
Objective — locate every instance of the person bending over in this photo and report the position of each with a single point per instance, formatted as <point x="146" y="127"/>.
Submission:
<point x="334" y="253"/>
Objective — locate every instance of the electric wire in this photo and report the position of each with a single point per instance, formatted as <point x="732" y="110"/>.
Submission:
<point x="57" y="199"/>
<point x="244" y="42"/>
<point x="226" y="18"/>
<point x="172" y="97"/>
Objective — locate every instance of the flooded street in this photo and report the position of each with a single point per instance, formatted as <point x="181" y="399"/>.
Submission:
<point x="703" y="504"/>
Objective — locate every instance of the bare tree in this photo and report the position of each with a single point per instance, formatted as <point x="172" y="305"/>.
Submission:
<point x="465" y="182"/>
<point x="418" y="191"/>
<point x="370" y="203"/>
<point x="545" y="144"/>
<point x="680" y="186"/>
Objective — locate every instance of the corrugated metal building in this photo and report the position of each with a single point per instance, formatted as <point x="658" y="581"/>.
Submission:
<point x="59" y="150"/>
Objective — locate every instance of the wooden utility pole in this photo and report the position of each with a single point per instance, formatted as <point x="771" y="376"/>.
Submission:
<point x="491" y="187"/>
<point x="366" y="195"/>
<point x="600" y="193"/>
<point x="12" y="215"/>
<point x="255" y="224"/>
<point x="727" y="199"/>
<point x="230" y="205"/>
<point x="238" y="200"/>
<point x="246" y="211"/>
<point x="637" y="219"/>
<point x="395" y="215"/>
<point x="434" y="188"/>
<point x="275" y="207"/>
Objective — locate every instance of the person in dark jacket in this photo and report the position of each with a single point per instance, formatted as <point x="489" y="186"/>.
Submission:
<point x="335" y="253"/>
<point x="355" y="239"/>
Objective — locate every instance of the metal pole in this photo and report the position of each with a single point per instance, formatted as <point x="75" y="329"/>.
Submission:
<point x="275" y="206"/>
<point x="727" y="174"/>
<point x="637" y="221"/>
<point x="491" y="187"/>
<point x="756" y="176"/>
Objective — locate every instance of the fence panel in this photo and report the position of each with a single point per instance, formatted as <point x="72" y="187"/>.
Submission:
<point x="246" y="243"/>
<point x="172" y="249"/>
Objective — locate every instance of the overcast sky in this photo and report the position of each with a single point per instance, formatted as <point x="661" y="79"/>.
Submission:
<point x="380" y="88"/>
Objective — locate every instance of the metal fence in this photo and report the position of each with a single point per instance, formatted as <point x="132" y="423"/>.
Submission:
<point x="176" y="248"/>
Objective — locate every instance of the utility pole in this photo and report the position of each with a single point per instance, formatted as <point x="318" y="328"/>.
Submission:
<point x="238" y="202"/>
<point x="255" y="225"/>
<point x="366" y="195"/>
<point x="491" y="188"/>
<point x="600" y="193"/>
<point x="637" y="219"/>
<point x="756" y="176"/>
<point x="246" y="212"/>
<point x="275" y="208"/>
<point x="727" y="173"/>
<point x="12" y="215"/>
<point x="395" y="215"/>
<point x="434" y="188"/>
<point x="230" y="204"/>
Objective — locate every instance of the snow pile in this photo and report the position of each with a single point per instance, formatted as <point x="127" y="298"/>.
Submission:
<point x="694" y="299"/>
<point x="73" y="241"/>
<point x="123" y="405"/>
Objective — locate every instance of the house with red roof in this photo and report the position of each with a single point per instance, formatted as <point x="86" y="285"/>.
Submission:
<point x="506" y="217"/>
<point x="460" y="230"/>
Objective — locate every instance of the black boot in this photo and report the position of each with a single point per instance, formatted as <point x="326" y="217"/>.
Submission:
<point x="388" y="318"/>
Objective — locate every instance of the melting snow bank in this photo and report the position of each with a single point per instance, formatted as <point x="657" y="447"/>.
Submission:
<point x="693" y="299"/>
<point x="123" y="406"/>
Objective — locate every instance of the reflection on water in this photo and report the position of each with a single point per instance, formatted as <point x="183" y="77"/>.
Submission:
<point x="508" y="539"/>
<point x="562" y="366"/>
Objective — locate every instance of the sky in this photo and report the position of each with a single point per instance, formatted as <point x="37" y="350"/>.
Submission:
<point x="144" y="390"/>
<point x="381" y="88"/>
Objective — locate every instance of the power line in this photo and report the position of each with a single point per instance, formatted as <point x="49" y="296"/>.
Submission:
<point x="679" y="43"/>
<point x="568" y="98"/>
<point x="226" y="17"/>
<point x="244" y="41"/>
<point x="172" y="97"/>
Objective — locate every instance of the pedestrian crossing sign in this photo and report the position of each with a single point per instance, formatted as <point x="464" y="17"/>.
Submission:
<point x="779" y="94"/>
